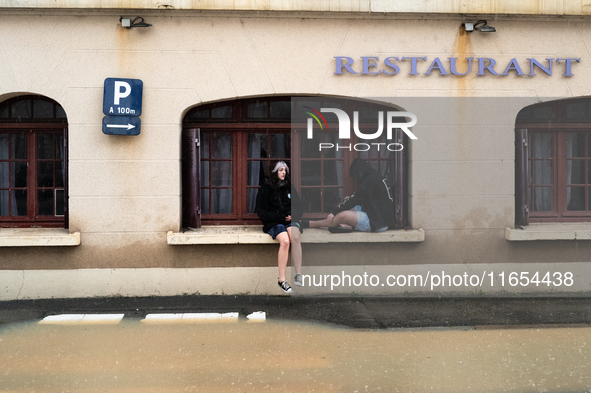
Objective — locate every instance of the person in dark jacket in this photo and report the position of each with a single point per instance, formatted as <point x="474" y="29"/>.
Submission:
<point x="278" y="207"/>
<point x="369" y="209"/>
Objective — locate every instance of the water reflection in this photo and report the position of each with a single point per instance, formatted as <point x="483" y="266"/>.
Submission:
<point x="239" y="356"/>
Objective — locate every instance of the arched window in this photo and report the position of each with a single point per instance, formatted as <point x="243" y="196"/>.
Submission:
<point x="33" y="163"/>
<point x="553" y="162"/>
<point x="227" y="148"/>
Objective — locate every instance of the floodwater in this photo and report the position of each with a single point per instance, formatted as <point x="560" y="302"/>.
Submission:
<point x="239" y="356"/>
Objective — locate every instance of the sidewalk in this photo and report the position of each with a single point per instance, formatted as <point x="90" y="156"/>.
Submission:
<point x="372" y="313"/>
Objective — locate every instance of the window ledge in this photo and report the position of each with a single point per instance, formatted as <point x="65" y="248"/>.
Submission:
<point x="550" y="231"/>
<point x="38" y="237"/>
<point x="255" y="235"/>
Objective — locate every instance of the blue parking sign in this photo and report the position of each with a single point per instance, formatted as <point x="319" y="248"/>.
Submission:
<point x="123" y="97"/>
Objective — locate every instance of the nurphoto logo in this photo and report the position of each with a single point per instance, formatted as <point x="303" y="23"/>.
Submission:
<point x="393" y="122"/>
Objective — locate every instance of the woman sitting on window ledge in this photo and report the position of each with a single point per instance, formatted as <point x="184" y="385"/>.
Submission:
<point x="274" y="207"/>
<point x="369" y="209"/>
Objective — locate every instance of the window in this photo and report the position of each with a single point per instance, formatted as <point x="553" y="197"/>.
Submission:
<point x="553" y="156"/>
<point x="228" y="146"/>
<point x="33" y="159"/>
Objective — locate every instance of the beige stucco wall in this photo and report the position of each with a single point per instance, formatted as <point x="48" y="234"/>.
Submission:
<point x="125" y="191"/>
<point x="529" y="7"/>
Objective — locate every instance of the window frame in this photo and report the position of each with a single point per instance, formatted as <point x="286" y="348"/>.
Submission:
<point x="241" y="126"/>
<point x="559" y="126"/>
<point x="33" y="127"/>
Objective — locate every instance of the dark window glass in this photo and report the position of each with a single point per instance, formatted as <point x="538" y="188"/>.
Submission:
<point x="45" y="202"/>
<point x="280" y="145"/>
<point x="205" y="202"/>
<point x="311" y="173"/>
<point x="543" y="114"/>
<point x="45" y="174"/>
<point x="575" y="172"/>
<point x="256" y="110"/>
<point x="575" y="145"/>
<point x="4" y="174"/>
<point x="4" y="146"/>
<point x="19" y="174"/>
<point x="543" y="201"/>
<point x="42" y="109"/>
<point x="205" y="174"/>
<point x="221" y="173"/>
<point x="333" y="173"/>
<point x="332" y="197"/>
<point x="20" y="197"/>
<point x="257" y="146"/>
<point x="222" y="201"/>
<point x="576" y="111"/>
<point x="224" y="112"/>
<point x="19" y="146"/>
<point x="200" y="115"/>
<point x="280" y="110"/>
<point x="311" y="199"/>
<point x="542" y="145"/>
<point x="21" y="109"/>
<point x="204" y="146"/>
<point x="45" y="146"/>
<point x="251" y="198"/>
<point x="59" y="202"/>
<point x="59" y="146"/>
<point x="256" y="173"/>
<point x="59" y="112"/>
<point x="575" y="198"/>
<point x="543" y="172"/>
<point x="59" y="174"/>
<point x="4" y="202"/>
<point x="222" y="145"/>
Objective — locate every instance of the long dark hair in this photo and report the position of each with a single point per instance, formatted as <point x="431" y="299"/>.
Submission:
<point x="274" y="175"/>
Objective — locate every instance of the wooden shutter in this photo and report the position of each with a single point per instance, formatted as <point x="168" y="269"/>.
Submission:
<point x="191" y="181"/>
<point x="401" y="181"/>
<point x="521" y="180"/>
<point x="65" y="177"/>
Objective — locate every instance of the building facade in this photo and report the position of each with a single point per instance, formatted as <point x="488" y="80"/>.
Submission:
<point x="498" y="179"/>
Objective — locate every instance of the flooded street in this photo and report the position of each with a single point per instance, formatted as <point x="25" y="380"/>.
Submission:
<point x="240" y="356"/>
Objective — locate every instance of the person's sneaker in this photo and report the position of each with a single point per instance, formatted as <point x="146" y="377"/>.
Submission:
<point x="304" y="223"/>
<point x="297" y="280"/>
<point x="284" y="286"/>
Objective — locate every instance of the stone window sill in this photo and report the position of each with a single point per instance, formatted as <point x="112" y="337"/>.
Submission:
<point x="550" y="231"/>
<point x="38" y="237"/>
<point x="254" y="235"/>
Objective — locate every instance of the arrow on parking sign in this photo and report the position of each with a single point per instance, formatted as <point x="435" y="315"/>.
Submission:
<point x="128" y="126"/>
<point x="119" y="125"/>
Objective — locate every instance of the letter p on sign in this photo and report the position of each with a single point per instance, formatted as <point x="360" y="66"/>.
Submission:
<point x="122" y="90"/>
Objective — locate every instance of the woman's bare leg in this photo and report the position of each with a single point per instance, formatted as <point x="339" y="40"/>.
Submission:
<point x="296" y="250"/>
<point x="347" y="217"/>
<point x="327" y="222"/>
<point x="283" y="238"/>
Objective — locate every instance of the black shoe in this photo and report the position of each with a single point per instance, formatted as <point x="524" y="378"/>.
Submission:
<point x="304" y="223"/>
<point x="284" y="286"/>
<point x="340" y="229"/>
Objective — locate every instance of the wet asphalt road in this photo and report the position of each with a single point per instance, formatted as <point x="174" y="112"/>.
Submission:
<point x="363" y="312"/>
<point x="238" y="354"/>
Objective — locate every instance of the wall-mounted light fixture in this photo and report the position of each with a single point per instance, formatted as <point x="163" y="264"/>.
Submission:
<point x="137" y="22"/>
<point x="480" y="26"/>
